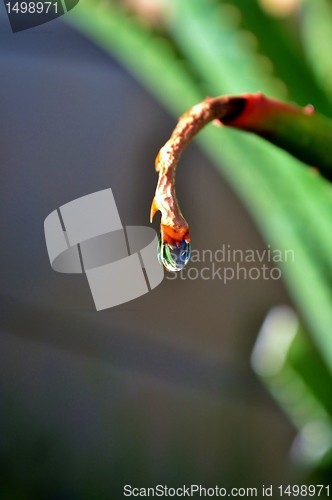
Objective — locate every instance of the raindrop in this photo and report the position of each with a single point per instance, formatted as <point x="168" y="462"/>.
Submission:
<point x="176" y="258"/>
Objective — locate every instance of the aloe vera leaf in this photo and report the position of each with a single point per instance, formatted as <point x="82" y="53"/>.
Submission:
<point x="150" y="58"/>
<point x="285" y="53"/>
<point x="300" y="131"/>
<point x="317" y="40"/>
<point x="289" y="365"/>
<point x="188" y="23"/>
<point x="245" y="162"/>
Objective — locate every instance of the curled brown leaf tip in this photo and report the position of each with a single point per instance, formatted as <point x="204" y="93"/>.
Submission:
<point x="174" y="227"/>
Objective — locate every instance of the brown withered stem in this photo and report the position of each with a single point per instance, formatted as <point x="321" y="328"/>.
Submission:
<point x="300" y="131"/>
<point x="173" y="226"/>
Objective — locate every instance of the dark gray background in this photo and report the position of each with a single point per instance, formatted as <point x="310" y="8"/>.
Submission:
<point x="155" y="391"/>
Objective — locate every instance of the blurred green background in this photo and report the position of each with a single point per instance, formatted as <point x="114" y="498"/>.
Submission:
<point x="174" y="387"/>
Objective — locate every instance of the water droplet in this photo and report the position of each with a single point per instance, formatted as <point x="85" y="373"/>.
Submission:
<point x="176" y="258"/>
